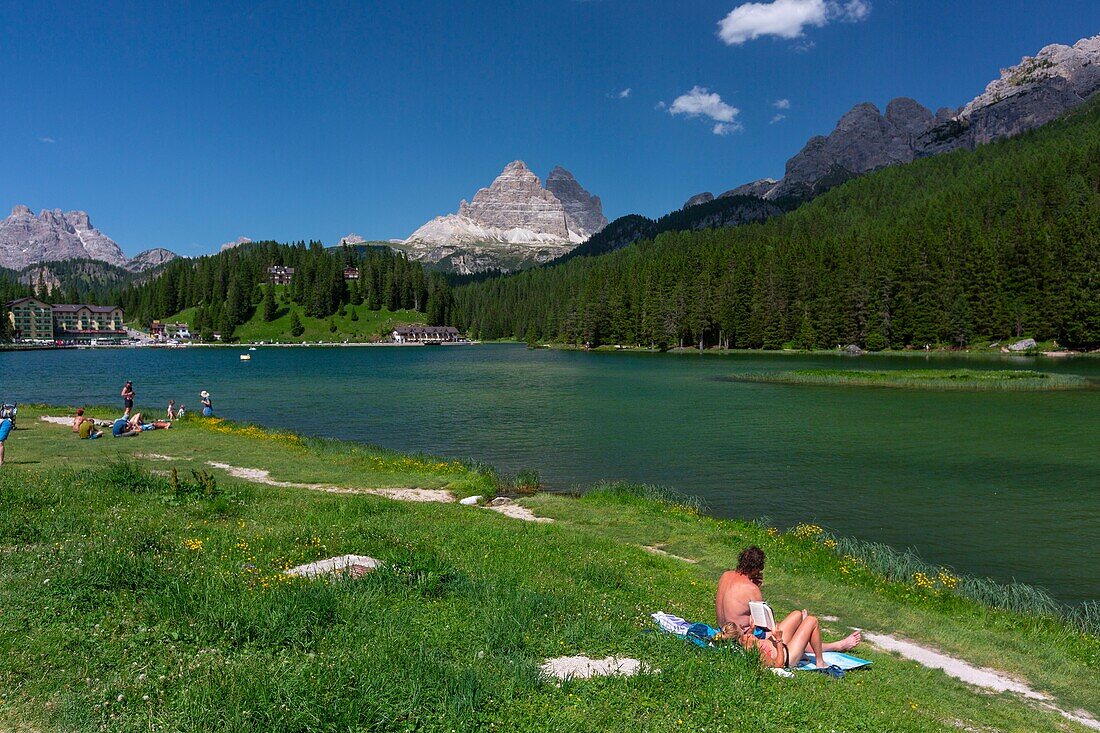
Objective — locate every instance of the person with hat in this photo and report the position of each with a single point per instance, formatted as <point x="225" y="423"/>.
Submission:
<point x="207" y="405"/>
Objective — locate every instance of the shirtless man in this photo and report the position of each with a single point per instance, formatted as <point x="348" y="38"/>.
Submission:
<point x="737" y="587"/>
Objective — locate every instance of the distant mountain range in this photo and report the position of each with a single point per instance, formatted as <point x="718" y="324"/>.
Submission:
<point x="53" y="236"/>
<point x="1032" y="93"/>
<point x="519" y="222"/>
<point x="516" y="222"/>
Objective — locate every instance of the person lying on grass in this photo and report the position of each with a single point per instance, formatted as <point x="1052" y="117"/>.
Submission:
<point x="736" y="588"/>
<point x="777" y="648"/>
<point x="139" y="422"/>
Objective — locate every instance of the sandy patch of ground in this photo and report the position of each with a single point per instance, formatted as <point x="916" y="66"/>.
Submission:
<point x="658" y="550"/>
<point x="582" y="667"/>
<point x="515" y="511"/>
<point x="351" y="565"/>
<point x="56" y="420"/>
<point x="155" y="456"/>
<point x="986" y="679"/>
<point x="263" y="476"/>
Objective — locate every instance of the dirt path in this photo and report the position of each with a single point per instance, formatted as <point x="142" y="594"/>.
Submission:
<point x="263" y="476"/>
<point x="986" y="679"/>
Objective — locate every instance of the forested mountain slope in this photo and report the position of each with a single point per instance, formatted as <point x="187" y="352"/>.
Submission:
<point x="1001" y="241"/>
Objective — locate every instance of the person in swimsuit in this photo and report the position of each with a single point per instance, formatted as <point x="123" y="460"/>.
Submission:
<point x="80" y="419"/>
<point x="736" y="588"/>
<point x="171" y="410"/>
<point x="128" y="397"/>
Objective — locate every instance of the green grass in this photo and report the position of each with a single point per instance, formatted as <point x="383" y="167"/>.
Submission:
<point x="116" y="585"/>
<point x="938" y="379"/>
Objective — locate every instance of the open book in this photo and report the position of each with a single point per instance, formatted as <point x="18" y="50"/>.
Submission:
<point x="762" y="615"/>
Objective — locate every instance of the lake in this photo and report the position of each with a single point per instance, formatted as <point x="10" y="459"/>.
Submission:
<point x="997" y="484"/>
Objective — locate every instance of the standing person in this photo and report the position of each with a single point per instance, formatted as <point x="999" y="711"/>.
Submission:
<point x="207" y="405"/>
<point x="128" y="397"/>
<point x="171" y="409"/>
<point x="5" y="427"/>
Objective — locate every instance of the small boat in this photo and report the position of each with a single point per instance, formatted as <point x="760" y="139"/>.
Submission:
<point x="246" y="357"/>
<point x="251" y="348"/>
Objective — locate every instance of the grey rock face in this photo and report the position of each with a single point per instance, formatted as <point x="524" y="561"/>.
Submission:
<point x="759" y="188"/>
<point x="352" y="239"/>
<point x="150" y="259"/>
<point x="1034" y="92"/>
<point x="514" y="223"/>
<point x="517" y="200"/>
<point x="864" y="140"/>
<point x="699" y="198"/>
<point x="1023" y="345"/>
<point x="583" y="211"/>
<point x="26" y="239"/>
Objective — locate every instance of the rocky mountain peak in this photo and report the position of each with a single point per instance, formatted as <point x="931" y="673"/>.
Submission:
<point x="583" y="211"/>
<point x="26" y="239"/>
<point x="512" y="223"/>
<point x="235" y="243"/>
<point x="150" y="258"/>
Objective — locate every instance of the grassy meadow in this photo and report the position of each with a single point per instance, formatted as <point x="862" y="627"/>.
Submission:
<point x="354" y="323"/>
<point x="938" y="379"/>
<point x="132" y="601"/>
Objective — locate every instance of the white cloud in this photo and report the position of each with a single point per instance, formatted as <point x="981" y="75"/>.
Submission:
<point x="47" y="140"/>
<point x="624" y="94"/>
<point x="701" y="102"/>
<point x="777" y="118"/>
<point x="782" y="104"/>
<point x="787" y="18"/>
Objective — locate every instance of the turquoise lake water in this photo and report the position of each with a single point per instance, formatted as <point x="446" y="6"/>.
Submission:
<point x="997" y="484"/>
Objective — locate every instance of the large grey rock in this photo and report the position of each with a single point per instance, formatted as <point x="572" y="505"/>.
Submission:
<point x="1023" y="345"/>
<point x="1032" y="93"/>
<point x="514" y="223"/>
<point x="1025" y="96"/>
<point x="150" y="259"/>
<point x="517" y="200"/>
<point x="759" y="188"/>
<point x="26" y="239"/>
<point x="583" y="211"/>
<point x="864" y="140"/>
<point x="699" y="198"/>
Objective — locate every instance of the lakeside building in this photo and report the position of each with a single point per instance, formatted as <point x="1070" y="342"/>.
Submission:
<point x="280" y="274"/>
<point x="35" y="320"/>
<point x="426" y="335"/>
<point x="166" y="331"/>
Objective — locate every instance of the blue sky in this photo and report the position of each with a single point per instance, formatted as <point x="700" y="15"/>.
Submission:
<point x="185" y="125"/>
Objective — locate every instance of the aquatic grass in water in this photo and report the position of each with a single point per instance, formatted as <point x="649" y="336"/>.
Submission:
<point x="938" y="379"/>
<point x="907" y="567"/>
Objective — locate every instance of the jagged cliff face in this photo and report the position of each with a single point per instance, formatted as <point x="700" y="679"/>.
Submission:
<point x="1032" y="93"/>
<point x="514" y="223"/>
<point x="583" y="211"/>
<point x="150" y="259"/>
<point x="26" y="239"/>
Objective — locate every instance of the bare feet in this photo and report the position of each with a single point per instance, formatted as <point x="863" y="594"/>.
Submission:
<point x="846" y="643"/>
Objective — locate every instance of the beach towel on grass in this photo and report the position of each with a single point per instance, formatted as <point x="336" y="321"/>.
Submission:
<point x="703" y="635"/>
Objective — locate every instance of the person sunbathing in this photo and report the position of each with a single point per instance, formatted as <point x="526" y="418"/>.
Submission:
<point x="79" y="419"/>
<point x="736" y="588"/>
<point x="139" y="422"/>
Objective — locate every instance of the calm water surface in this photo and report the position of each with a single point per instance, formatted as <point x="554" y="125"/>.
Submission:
<point x="997" y="484"/>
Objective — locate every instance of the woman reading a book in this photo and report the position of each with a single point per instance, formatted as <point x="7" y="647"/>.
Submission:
<point x="779" y="644"/>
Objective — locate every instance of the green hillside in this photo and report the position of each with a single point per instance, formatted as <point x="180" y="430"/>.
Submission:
<point x="355" y="323"/>
<point x="997" y="243"/>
